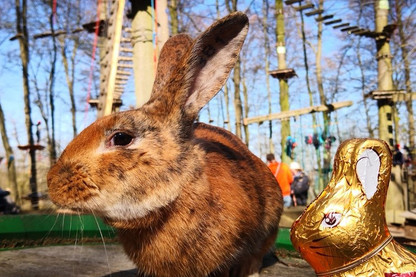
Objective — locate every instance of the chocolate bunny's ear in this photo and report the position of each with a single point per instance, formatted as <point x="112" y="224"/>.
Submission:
<point x="368" y="168"/>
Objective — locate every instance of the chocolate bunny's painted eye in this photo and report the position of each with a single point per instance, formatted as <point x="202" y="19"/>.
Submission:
<point x="121" y="139"/>
<point x="331" y="220"/>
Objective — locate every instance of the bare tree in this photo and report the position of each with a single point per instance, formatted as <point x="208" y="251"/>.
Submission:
<point x="236" y="77"/>
<point x="173" y="11"/>
<point x="23" y="38"/>
<point x="404" y="45"/>
<point x="11" y="165"/>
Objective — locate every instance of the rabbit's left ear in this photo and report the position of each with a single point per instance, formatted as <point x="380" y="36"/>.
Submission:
<point x="368" y="168"/>
<point x="212" y="57"/>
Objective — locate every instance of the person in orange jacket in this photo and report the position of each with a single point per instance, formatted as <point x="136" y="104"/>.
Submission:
<point x="283" y="176"/>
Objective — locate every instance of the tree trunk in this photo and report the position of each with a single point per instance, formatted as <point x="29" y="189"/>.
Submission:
<point x="11" y="166"/>
<point x="227" y="107"/>
<point x="246" y="108"/>
<point x="405" y="58"/>
<point x="238" y="109"/>
<point x="237" y="99"/>
<point x="266" y="47"/>
<point x="52" y="144"/>
<point x="226" y="92"/>
<point x="323" y="100"/>
<point x="174" y="22"/>
<point x="283" y="85"/>
<point x="21" y="28"/>
<point x="395" y="201"/>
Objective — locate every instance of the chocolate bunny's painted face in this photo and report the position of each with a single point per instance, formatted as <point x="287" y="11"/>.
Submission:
<point x="347" y="220"/>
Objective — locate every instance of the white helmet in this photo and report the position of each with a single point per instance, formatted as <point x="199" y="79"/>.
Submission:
<point x="295" y="166"/>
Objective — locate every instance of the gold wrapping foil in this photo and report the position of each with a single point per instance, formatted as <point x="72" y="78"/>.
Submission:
<point x="344" y="231"/>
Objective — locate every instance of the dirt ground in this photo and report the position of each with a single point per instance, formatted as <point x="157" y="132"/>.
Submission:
<point x="100" y="261"/>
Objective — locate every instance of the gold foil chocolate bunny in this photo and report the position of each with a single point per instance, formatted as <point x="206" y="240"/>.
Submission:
<point x="344" y="231"/>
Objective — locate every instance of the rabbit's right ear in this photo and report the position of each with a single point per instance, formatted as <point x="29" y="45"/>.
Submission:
<point x="182" y="89"/>
<point x="172" y="52"/>
<point x="212" y="57"/>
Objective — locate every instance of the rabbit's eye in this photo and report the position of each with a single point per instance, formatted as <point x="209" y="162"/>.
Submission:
<point x="331" y="220"/>
<point x="121" y="139"/>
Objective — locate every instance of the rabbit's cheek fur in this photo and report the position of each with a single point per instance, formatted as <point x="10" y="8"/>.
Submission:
<point x="140" y="185"/>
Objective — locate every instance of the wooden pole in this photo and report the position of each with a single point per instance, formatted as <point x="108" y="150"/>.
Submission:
<point x="395" y="202"/>
<point x="293" y="113"/>
<point x="385" y="80"/>
<point x="283" y="85"/>
<point x="143" y="49"/>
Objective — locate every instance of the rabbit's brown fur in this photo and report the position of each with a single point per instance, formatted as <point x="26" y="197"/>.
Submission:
<point x="188" y="199"/>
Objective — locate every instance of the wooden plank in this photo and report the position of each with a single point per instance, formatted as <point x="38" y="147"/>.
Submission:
<point x="125" y="65"/>
<point x="305" y="7"/>
<point x="350" y="29"/>
<point x="125" y="58"/>
<point x="121" y="77"/>
<point x="325" y="17"/>
<point x="332" y="21"/>
<point x="404" y="97"/>
<point x="123" y="73"/>
<point x="341" y="25"/>
<point x="314" y="12"/>
<point x="125" y="40"/>
<point x="290" y="2"/>
<point x="127" y="50"/>
<point x="293" y="113"/>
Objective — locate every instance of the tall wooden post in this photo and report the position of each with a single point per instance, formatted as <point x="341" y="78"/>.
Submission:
<point x="144" y="62"/>
<point x="385" y="80"/>
<point x="284" y="89"/>
<point x="395" y="202"/>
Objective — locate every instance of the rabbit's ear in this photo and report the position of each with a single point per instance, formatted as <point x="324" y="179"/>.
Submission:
<point x="210" y="61"/>
<point x="368" y="167"/>
<point x="172" y="52"/>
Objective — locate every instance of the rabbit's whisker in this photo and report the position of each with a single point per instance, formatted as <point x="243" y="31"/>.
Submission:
<point x="102" y="239"/>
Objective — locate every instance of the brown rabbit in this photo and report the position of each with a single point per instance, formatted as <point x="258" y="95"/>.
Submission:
<point x="188" y="199"/>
